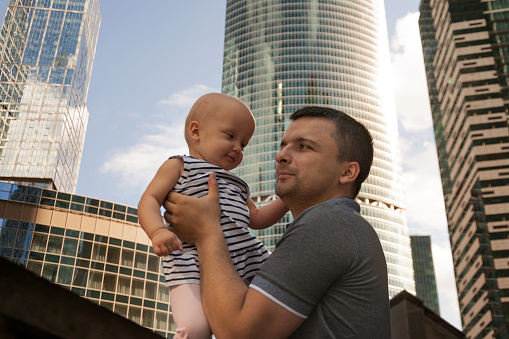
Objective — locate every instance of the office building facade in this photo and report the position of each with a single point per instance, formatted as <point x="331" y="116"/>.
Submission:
<point x="91" y="247"/>
<point x="466" y="58"/>
<point x="46" y="51"/>
<point x="424" y="271"/>
<point x="282" y="55"/>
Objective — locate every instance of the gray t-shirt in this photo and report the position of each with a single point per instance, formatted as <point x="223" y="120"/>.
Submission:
<point x="329" y="268"/>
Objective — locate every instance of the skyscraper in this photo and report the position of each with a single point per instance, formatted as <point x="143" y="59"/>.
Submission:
<point x="424" y="270"/>
<point x="47" y="51"/>
<point x="92" y="247"/>
<point x="282" y="55"/>
<point x="467" y="64"/>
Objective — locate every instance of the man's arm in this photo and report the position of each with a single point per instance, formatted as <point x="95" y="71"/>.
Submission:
<point x="233" y="310"/>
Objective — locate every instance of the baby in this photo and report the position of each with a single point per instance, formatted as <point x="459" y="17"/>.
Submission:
<point x="217" y="129"/>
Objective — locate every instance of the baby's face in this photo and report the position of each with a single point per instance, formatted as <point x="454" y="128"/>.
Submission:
<point x="224" y="136"/>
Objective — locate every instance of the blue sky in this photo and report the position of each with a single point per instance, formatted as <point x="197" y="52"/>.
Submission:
<point x="154" y="59"/>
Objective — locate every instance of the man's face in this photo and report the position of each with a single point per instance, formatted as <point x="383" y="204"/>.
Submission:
<point x="307" y="171"/>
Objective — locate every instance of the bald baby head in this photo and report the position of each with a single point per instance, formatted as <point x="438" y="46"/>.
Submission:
<point x="212" y="106"/>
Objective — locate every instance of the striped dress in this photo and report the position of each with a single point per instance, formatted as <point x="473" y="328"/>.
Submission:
<point x="246" y="251"/>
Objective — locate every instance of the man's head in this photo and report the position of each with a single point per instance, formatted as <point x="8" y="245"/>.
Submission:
<point x="324" y="154"/>
<point x="353" y="138"/>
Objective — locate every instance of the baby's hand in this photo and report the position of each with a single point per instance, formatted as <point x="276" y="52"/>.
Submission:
<point x="164" y="242"/>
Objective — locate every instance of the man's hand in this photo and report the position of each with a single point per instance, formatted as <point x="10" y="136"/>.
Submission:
<point x="194" y="218"/>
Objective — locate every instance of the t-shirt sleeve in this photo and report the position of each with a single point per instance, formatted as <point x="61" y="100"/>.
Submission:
<point x="307" y="260"/>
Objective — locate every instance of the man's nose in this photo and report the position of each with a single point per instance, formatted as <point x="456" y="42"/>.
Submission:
<point x="282" y="155"/>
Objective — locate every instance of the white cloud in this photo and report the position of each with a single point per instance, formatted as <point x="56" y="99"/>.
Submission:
<point x="447" y="295"/>
<point x="426" y="215"/>
<point x="130" y="169"/>
<point x="187" y="97"/>
<point x="134" y="167"/>
<point x="411" y="89"/>
<point x="421" y="177"/>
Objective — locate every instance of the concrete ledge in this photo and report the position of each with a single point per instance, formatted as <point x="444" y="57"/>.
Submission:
<point x="32" y="307"/>
<point x="410" y="319"/>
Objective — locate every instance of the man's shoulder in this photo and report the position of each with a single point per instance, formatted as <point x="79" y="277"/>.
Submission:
<point x="333" y="220"/>
<point x="335" y="205"/>
<point x="333" y="211"/>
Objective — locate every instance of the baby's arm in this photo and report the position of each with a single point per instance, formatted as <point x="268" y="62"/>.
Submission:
<point x="149" y="208"/>
<point x="265" y="216"/>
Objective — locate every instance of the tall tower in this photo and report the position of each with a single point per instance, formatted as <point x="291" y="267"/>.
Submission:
<point x="467" y="64"/>
<point x="425" y="282"/>
<point x="282" y="55"/>
<point x="46" y="51"/>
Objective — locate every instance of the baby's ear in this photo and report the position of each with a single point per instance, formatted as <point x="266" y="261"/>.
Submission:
<point x="194" y="130"/>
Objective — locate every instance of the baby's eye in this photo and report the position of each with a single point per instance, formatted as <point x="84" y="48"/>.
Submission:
<point x="229" y="135"/>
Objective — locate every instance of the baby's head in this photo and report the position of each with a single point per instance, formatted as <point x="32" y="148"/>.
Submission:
<point x="217" y="129"/>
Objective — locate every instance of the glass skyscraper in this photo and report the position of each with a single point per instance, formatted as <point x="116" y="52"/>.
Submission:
<point x="47" y="49"/>
<point x="281" y="55"/>
<point x="425" y="282"/>
<point x="91" y="247"/>
<point x="466" y="54"/>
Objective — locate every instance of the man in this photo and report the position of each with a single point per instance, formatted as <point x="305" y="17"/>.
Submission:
<point x="327" y="277"/>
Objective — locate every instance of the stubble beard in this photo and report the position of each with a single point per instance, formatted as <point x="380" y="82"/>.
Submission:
<point x="286" y="192"/>
<point x="297" y="194"/>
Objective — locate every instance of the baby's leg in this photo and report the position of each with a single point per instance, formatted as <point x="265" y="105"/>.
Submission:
<point x="188" y="312"/>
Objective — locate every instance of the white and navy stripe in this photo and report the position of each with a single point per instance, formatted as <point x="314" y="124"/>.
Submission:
<point x="246" y="251"/>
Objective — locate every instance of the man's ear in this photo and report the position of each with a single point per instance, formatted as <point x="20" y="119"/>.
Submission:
<point x="350" y="172"/>
<point x="194" y="130"/>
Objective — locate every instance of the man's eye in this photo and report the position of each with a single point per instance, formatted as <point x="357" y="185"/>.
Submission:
<point x="304" y="146"/>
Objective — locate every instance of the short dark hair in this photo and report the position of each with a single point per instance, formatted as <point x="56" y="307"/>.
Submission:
<point x="353" y="138"/>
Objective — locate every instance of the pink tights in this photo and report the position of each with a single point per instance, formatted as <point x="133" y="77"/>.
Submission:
<point x="188" y="312"/>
